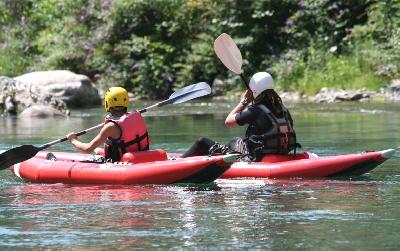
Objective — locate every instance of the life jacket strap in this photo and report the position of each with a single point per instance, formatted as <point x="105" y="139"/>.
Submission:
<point x="137" y="141"/>
<point x="114" y="149"/>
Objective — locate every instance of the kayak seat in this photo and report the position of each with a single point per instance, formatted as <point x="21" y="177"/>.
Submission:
<point x="139" y="157"/>
<point x="145" y="156"/>
<point x="274" y="158"/>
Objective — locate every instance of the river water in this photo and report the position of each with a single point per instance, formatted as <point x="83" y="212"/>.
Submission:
<point x="353" y="213"/>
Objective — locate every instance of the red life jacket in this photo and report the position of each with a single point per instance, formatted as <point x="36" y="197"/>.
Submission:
<point x="134" y="136"/>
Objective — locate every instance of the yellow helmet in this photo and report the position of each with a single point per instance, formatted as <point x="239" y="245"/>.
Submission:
<point x="116" y="96"/>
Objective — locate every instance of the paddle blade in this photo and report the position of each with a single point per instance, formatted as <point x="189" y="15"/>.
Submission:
<point x="190" y="92"/>
<point x="17" y="155"/>
<point x="228" y="52"/>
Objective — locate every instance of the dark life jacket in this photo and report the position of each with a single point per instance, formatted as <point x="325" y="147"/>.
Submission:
<point x="279" y="139"/>
<point x="134" y="136"/>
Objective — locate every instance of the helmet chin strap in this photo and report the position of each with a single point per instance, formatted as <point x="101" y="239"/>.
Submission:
<point x="118" y="109"/>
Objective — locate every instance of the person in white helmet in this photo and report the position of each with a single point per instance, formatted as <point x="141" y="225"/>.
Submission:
<point x="270" y="125"/>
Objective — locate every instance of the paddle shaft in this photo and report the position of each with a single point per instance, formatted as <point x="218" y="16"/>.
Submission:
<point x="57" y="141"/>
<point x="244" y="81"/>
<point x="184" y="94"/>
<point x="152" y="107"/>
<point x="25" y="152"/>
<point x="44" y="146"/>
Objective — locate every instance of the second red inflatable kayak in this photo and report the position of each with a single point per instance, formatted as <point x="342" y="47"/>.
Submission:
<point x="309" y="165"/>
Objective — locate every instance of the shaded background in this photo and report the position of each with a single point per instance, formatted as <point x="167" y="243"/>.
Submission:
<point x="151" y="47"/>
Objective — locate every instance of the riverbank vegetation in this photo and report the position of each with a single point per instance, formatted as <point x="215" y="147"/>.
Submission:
<point x="152" y="47"/>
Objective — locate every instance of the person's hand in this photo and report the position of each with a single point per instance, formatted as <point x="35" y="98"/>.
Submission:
<point x="71" y="136"/>
<point x="248" y="95"/>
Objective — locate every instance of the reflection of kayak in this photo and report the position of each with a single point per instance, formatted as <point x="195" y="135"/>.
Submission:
<point x="61" y="194"/>
<point x="309" y="165"/>
<point x="150" y="167"/>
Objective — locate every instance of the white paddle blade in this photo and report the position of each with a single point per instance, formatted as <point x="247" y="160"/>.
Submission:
<point x="228" y="52"/>
<point x="190" y="92"/>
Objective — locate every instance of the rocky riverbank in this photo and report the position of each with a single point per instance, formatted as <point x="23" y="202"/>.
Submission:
<point x="331" y="95"/>
<point x="54" y="93"/>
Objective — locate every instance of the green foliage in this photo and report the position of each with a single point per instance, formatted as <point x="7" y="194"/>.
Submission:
<point x="384" y="19"/>
<point x="152" y="47"/>
<point x="377" y="43"/>
<point x="12" y="61"/>
<point x="149" y="45"/>
<point x="347" y="51"/>
<point x="308" y="71"/>
<point x="339" y="72"/>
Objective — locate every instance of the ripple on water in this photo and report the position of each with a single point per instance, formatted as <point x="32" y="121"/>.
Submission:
<point x="315" y="215"/>
<point x="348" y="214"/>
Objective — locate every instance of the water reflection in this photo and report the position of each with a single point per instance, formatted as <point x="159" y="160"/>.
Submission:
<point x="132" y="213"/>
<point x="67" y="194"/>
<point x="305" y="212"/>
<point x="349" y="214"/>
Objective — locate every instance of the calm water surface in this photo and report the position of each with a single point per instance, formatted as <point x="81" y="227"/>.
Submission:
<point x="355" y="213"/>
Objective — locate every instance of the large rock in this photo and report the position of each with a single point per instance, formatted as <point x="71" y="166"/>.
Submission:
<point x="40" y="111"/>
<point x="330" y="95"/>
<point x="392" y="92"/>
<point x="74" y="89"/>
<point x="292" y="96"/>
<point x="218" y="87"/>
<point x="16" y="96"/>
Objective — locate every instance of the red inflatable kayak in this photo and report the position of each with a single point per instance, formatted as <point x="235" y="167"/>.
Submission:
<point x="150" y="167"/>
<point x="308" y="165"/>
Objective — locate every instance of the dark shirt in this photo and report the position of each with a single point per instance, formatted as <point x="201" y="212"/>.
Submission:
<point x="257" y="121"/>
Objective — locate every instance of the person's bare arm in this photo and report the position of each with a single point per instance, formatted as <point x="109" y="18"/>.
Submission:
<point x="108" y="130"/>
<point x="230" y="120"/>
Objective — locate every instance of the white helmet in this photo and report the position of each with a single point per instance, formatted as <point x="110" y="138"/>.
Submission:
<point x="260" y="82"/>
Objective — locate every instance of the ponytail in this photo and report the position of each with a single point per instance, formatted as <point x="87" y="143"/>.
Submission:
<point x="271" y="99"/>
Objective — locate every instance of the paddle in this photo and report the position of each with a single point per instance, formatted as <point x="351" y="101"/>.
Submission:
<point x="25" y="152"/>
<point x="229" y="54"/>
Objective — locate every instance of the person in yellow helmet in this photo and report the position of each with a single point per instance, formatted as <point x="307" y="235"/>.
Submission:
<point x="122" y="132"/>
